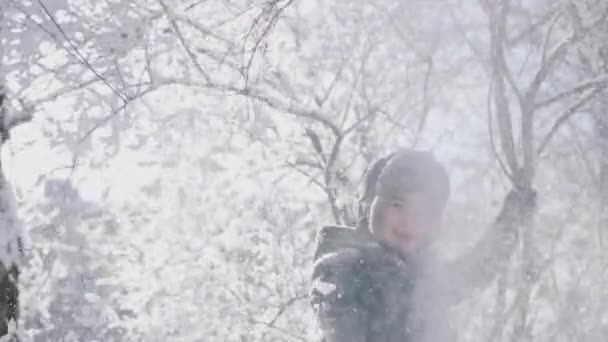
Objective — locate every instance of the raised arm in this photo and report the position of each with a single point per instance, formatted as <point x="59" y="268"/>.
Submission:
<point x="480" y="265"/>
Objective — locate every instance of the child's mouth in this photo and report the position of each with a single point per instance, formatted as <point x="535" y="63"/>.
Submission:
<point x="403" y="236"/>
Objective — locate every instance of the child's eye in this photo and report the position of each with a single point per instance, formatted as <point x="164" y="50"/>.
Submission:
<point x="398" y="205"/>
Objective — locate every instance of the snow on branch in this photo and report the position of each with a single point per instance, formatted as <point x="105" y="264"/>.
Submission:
<point x="566" y="115"/>
<point x="10" y="119"/>
<point x="75" y="51"/>
<point x="601" y="81"/>
<point x="183" y="42"/>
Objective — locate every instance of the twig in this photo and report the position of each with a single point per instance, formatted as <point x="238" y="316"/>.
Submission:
<point x="601" y="81"/>
<point x="564" y="117"/>
<point x="186" y="47"/>
<point x="502" y="165"/>
<point x="273" y="20"/>
<point x="497" y="30"/>
<point x="283" y="307"/>
<point x="77" y="52"/>
<point x="327" y="93"/>
<point x="426" y="107"/>
<point x="547" y="36"/>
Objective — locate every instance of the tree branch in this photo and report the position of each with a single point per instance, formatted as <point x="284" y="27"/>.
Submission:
<point x="497" y="29"/>
<point x="565" y="116"/>
<point x="426" y="106"/>
<point x="327" y="93"/>
<point x="530" y="29"/>
<point x="554" y="17"/>
<point x="315" y="141"/>
<point x="186" y="47"/>
<point x="285" y="306"/>
<point x="79" y="54"/>
<point x="266" y="30"/>
<point x="502" y="165"/>
<point x="601" y="81"/>
<point x="331" y="190"/>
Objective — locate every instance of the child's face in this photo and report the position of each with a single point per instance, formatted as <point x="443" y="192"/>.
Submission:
<point x="403" y="225"/>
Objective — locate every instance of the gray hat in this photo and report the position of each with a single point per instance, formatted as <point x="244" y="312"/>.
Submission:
<point x="410" y="171"/>
<point x="401" y="174"/>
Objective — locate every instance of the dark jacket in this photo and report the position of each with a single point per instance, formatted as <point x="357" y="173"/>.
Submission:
<point x="361" y="291"/>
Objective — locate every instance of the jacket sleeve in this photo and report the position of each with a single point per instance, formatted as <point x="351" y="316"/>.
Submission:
<point x="335" y="300"/>
<point x="478" y="267"/>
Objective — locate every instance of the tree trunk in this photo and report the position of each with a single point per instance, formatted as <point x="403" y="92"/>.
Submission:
<point x="9" y="306"/>
<point x="9" y="242"/>
<point x="602" y="137"/>
<point x="9" y="251"/>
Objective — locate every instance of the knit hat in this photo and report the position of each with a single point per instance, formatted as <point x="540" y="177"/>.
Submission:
<point x="411" y="171"/>
<point x="405" y="172"/>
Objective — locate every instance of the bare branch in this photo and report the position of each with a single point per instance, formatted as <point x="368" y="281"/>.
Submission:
<point x="497" y="29"/>
<point x="278" y="105"/>
<point x="327" y="93"/>
<point x="511" y="80"/>
<point x="284" y="331"/>
<point x="221" y="59"/>
<point x="75" y="49"/>
<point x="517" y="38"/>
<point x="565" y="116"/>
<point x="555" y="16"/>
<point x="372" y="112"/>
<point x="310" y="177"/>
<point x="315" y="141"/>
<point x="426" y="107"/>
<point x="351" y="93"/>
<point x="331" y="190"/>
<point x="114" y="113"/>
<point x="549" y="60"/>
<point x="546" y="66"/>
<point x="502" y="165"/>
<point x="285" y="306"/>
<point x="265" y="31"/>
<point x="193" y="5"/>
<point x="601" y="81"/>
<point x="185" y="45"/>
<point x="308" y="162"/>
<point x="205" y="31"/>
<point x="8" y="121"/>
<point x="16" y="120"/>
<point x="527" y="142"/>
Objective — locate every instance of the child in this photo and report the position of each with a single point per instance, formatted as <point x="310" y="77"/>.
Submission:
<point x="364" y="278"/>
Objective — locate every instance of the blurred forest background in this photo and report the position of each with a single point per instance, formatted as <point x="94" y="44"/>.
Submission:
<point x="167" y="163"/>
